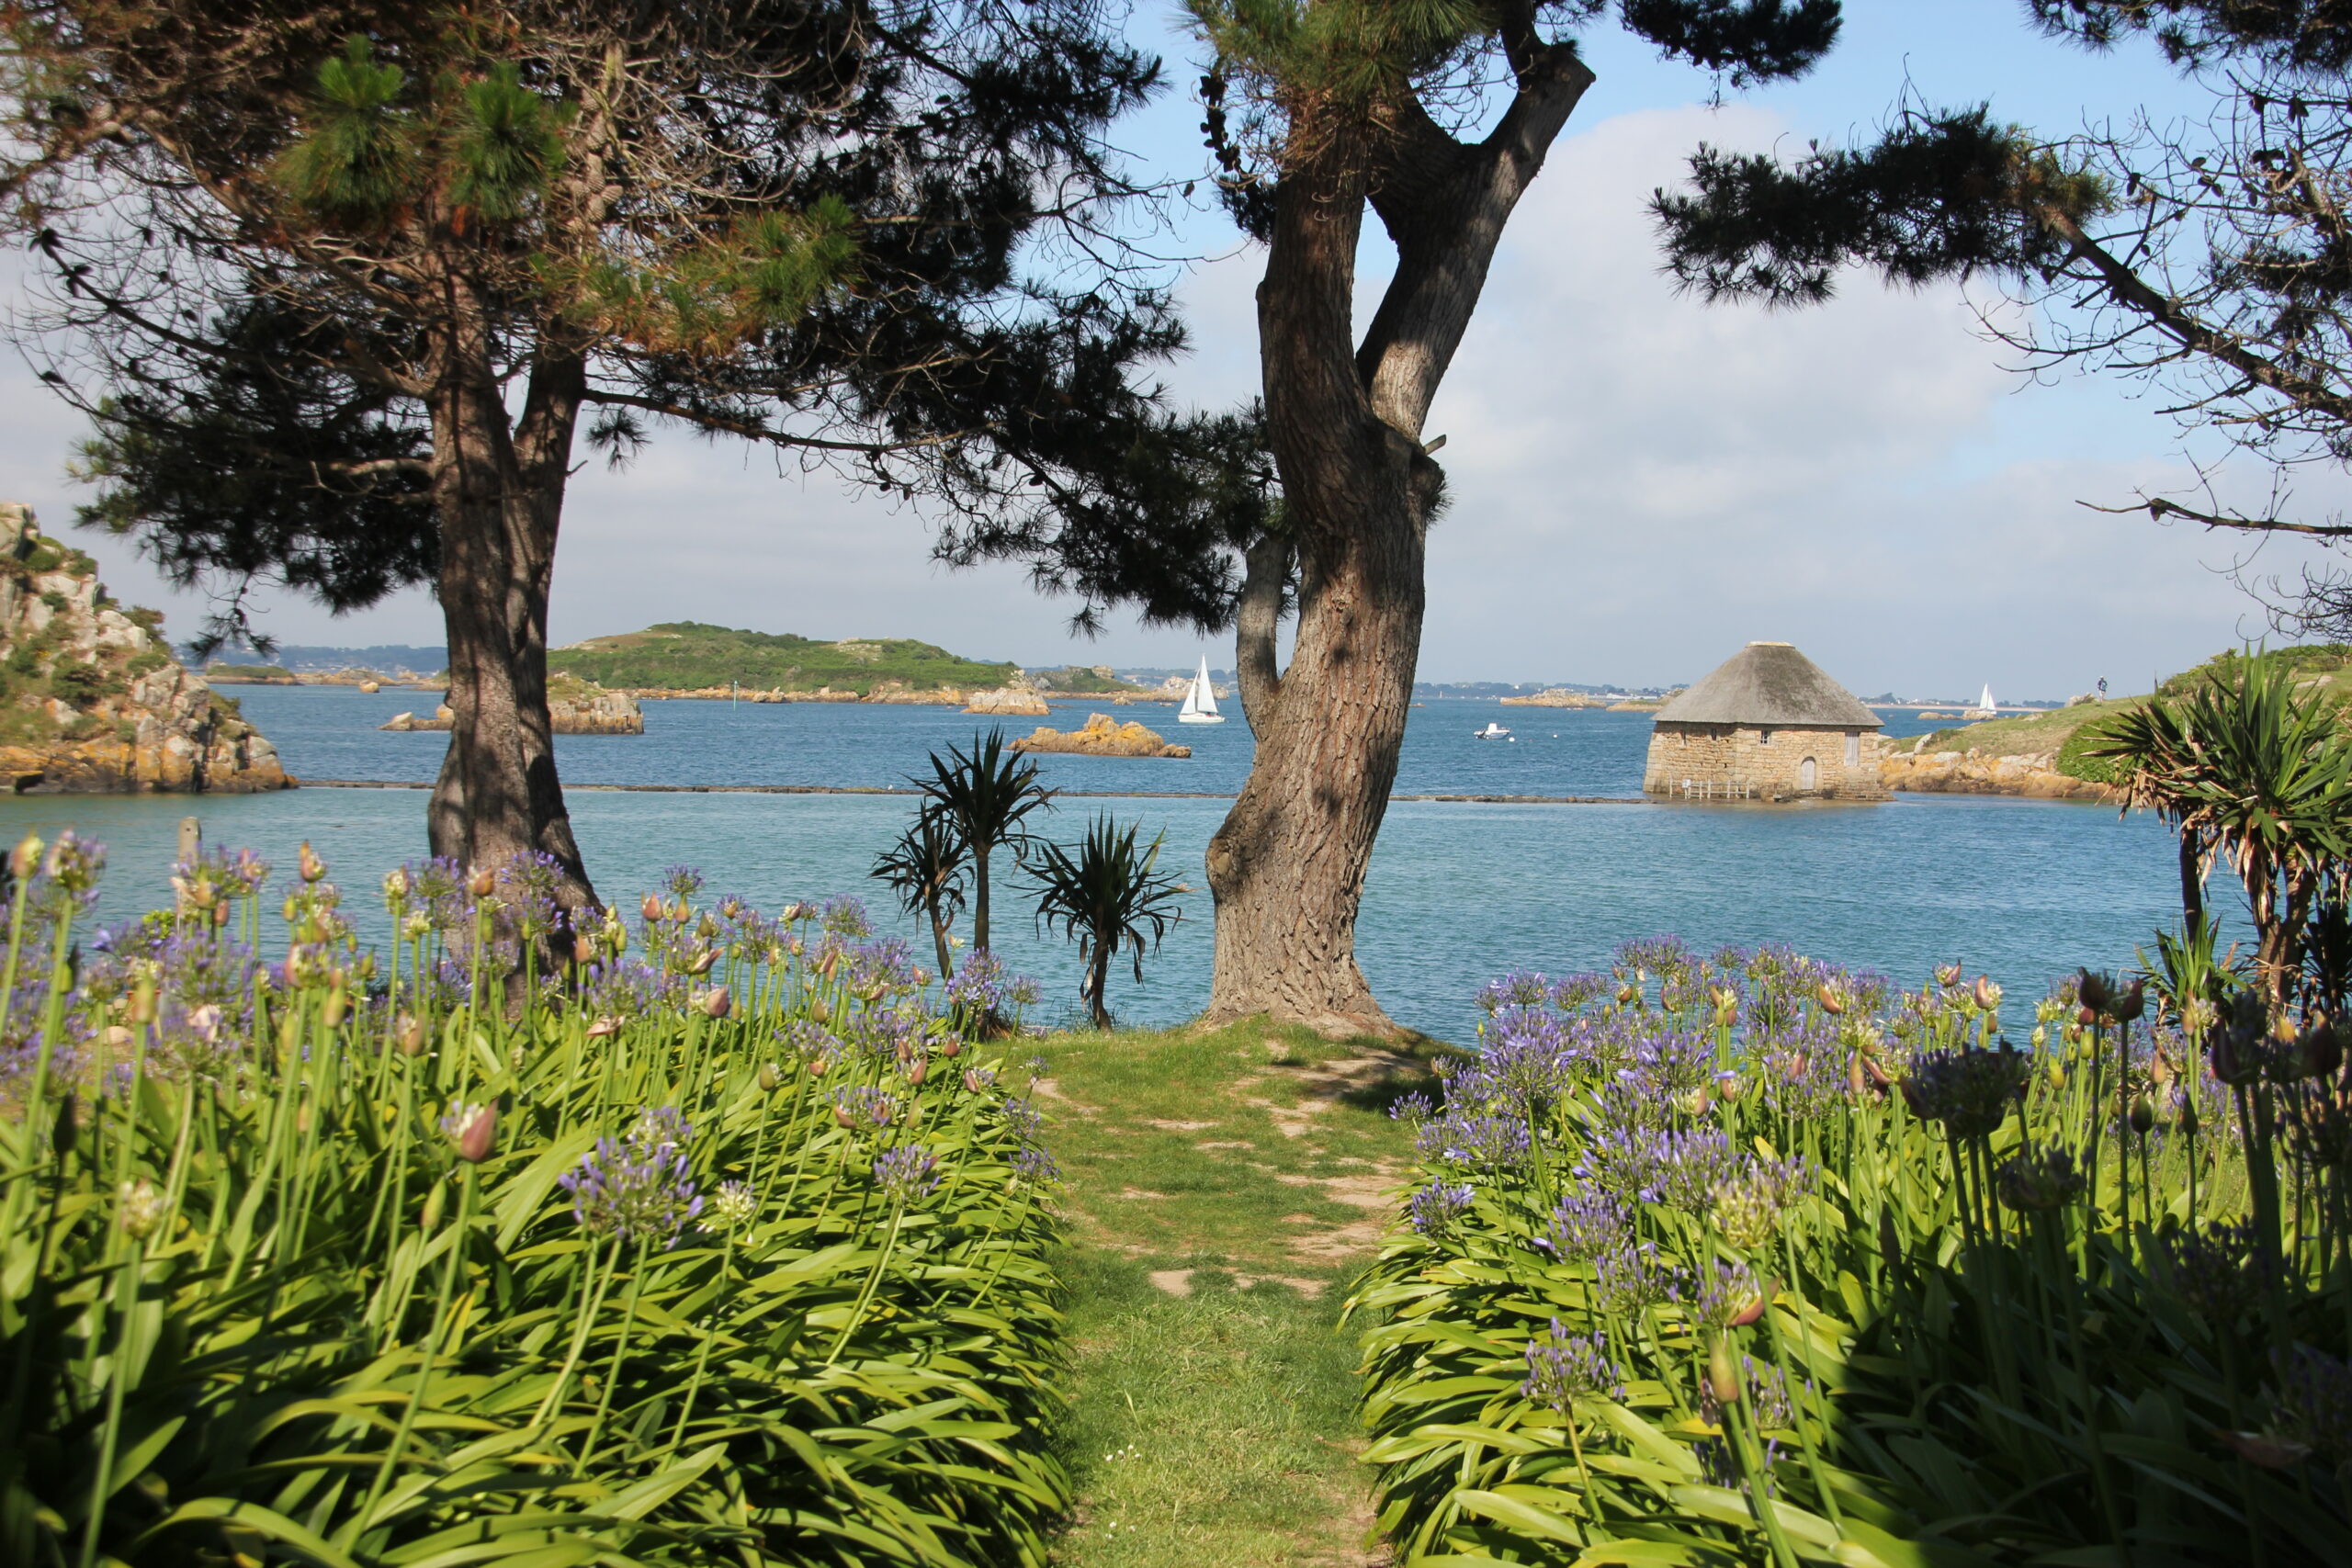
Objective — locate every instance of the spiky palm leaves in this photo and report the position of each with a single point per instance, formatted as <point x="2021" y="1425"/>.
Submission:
<point x="2252" y="771"/>
<point x="926" y="869"/>
<point x="986" y="796"/>
<point x="1109" y="895"/>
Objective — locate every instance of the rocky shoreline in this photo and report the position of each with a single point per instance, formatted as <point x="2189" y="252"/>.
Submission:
<point x="95" y="703"/>
<point x="2031" y="775"/>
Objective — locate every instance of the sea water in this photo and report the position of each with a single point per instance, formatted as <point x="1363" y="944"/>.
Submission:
<point x="1457" y="892"/>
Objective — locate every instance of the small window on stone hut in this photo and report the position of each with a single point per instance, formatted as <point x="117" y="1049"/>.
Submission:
<point x="1854" y="749"/>
<point x="1763" y="738"/>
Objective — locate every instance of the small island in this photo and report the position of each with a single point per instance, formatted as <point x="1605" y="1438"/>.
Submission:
<point x="1100" y="735"/>
<point x="575" y="707"/>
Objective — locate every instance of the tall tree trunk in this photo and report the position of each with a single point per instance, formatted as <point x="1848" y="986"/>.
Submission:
<point x="498" y="489"/>
<point x="1287" y="867"/>
<point x="980" y="897"/>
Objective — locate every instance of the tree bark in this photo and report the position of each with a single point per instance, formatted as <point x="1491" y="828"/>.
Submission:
<point x="1287" y="867"/>
<point x="498" y="491"/>
<point x="1257" y="624"/>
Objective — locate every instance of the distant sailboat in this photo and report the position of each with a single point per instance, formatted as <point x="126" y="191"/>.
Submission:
<point x="1200" y="700"/>
<point x="1985" y="701"/>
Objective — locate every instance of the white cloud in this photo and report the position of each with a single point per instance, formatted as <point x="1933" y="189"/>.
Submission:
<point x="1641" y="482"/>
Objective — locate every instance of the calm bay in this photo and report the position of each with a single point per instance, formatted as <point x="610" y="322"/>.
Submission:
<point x="1458" y="891"/>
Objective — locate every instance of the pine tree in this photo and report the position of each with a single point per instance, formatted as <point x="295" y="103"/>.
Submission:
<point x="344" y="285"/>
<point x="1315" y="110"/>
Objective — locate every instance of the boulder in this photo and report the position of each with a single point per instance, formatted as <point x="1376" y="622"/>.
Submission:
<point x="1100" y="735"/>
<point x="1021" y="702"/>
<point x="575" y="708"/>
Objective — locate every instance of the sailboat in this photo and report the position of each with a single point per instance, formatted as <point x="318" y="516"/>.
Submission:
<point x="1985" y="701"/>
<point x="1200" y="700"/>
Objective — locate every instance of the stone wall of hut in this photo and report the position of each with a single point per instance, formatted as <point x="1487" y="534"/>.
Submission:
<point x="1718" y="762"/>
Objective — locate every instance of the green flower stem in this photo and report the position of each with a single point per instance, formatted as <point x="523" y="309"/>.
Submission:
<point x="553" y="1399"/>
<point x="126" y="1300"/>
<point x="429" y="1353"/>
<point x="620" y="1354"/>
<point x="873" y="1282"/>
<point x="702" y="1356"/>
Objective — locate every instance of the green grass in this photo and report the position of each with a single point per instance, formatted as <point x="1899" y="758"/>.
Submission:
<point x="1224" y="1188"/>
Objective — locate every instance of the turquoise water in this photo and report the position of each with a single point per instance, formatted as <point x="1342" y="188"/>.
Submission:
<point x="2025" y="890"/>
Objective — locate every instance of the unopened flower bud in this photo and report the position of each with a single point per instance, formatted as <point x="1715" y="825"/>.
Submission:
<point x="2144" y="1113"/>
<point x="473" y="1131"/>
<point x="771" y="1079"/>
<point x="1948" y="975"/>
<point x="1988" y="995"/>
<point x="140" y="1209"/>
<point x="1626" y="993"/>
<point x="142" y="1000"/>
<point x="715" y="1002"/>
<point x="1831" y="1002"/>
<point x="331" y="1010"/>
<point x="2131" y="1003"/>
<point x="2188" y="1115"/>
<point x="700" y="964"/>
<point x="25" y="859"/>
<point x="483" y="882"/>
<point x="583" y="949"/>
<point x="311" y="867"/>
<point x="2086" y="1016"/>
<point x="1722" y="1372"/>
<point x="2096" y="990"/>
<point x="650" y="908"/>
<point x="917" y="1071"/>
<point x="411" y="1036"/>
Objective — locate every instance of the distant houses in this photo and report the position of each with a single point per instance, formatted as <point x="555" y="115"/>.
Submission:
<point x="1766" y="724"/>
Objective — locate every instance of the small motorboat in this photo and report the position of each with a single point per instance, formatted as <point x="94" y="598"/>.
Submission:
<point x="1492" y="732"/>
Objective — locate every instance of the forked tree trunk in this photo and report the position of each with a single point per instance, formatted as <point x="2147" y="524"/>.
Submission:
<point x="1359" y="490"/>
<point x="498" y="489"/>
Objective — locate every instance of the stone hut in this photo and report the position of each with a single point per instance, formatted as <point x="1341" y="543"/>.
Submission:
<point x="1767" y="723"/>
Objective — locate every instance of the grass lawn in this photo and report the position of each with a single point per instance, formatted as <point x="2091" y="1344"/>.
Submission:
<point x="1223" y="1186"/>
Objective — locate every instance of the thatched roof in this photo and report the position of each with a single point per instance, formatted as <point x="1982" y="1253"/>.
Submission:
<point x="1769" y="684"/>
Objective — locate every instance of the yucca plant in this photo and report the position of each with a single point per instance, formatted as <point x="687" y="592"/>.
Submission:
<point x="926" y="869"/>
<point x="1108" y="897"/>
<point x="986" y="796"/>
<point x="2249" y="768"/>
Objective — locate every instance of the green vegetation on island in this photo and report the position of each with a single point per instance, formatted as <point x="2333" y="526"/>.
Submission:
<point x="691" y="657"/>
<point x="2069" y="733"/>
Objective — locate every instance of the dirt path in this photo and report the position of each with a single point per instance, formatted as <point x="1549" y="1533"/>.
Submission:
<point x="1223" y="1189"/>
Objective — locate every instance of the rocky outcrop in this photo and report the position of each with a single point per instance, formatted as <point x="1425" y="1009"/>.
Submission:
<point x="577" y="707"/>
<point x="2033" y="774"/>
<point x="1100" y="735"/>
<point x="1554" y="699"/>
<point x="1017" y="701"/>
<point x="91" y="699"/>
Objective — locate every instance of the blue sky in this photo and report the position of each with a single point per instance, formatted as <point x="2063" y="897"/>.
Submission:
<point x="1642" y="482"/>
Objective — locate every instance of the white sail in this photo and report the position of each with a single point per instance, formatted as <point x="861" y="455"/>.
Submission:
<point x="1985" y="701"/>
<point x="1200" y="700"/>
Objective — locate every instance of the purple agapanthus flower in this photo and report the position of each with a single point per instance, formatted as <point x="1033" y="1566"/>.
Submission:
<point x="1563" y="1367"/>
<point x="638" y="1185"/>
<point x="1434" y="1209"/>
<point x="904" y="1174"/>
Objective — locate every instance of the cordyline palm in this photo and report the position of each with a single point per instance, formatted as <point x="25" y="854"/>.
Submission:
<point x="925" y="868"/>
<point x="1108" y="897"/>
<point x="984" y="795"/>
<point x="2247" y="770"/>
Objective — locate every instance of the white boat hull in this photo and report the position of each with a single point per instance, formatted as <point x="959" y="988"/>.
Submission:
<point x="1199" y="718"/>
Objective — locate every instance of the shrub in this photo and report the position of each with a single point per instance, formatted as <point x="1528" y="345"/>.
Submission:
<point x="731" y="1254"/>
<point x="1745" y="1260"/>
